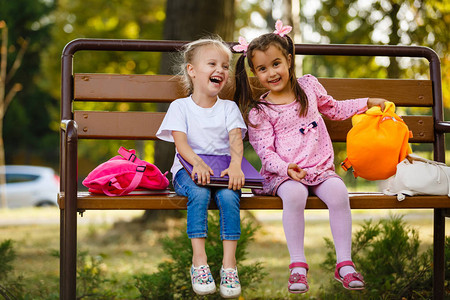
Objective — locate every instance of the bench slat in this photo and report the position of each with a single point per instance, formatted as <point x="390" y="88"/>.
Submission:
<point x="87" y="201"/>
<point x="118" y="125"/>
<point x="166" y="88"/>
<point x="144" y="125"/>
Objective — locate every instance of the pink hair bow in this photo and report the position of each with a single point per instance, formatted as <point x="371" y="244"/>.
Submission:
<point x="282" y="30"/>
<point x="242" y="46"/>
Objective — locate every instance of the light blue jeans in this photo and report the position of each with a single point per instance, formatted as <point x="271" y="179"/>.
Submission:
<point x="199" y="198"/>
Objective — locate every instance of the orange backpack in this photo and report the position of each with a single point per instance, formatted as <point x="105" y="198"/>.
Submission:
<point x="377" y="142"/>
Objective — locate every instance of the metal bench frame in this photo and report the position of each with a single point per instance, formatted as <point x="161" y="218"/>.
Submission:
<point x="71" y="201"/>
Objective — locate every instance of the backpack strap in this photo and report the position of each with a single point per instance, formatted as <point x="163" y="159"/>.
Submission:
<point x="346" y="165"/>
<point x="140" y="169"/>
<point x="133" y="184"/>
<point x="131" y="156"/>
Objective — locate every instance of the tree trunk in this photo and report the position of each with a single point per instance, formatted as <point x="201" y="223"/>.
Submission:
<point x="4" y="201"/>
<point x="188" y="20"/>
<point x="394" y="39"/>
<point x="5" y="100"/>
<point x="3" y="62"/>
<point x="291" y="13"/>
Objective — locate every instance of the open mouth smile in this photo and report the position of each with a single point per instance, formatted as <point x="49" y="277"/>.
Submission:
<point x="216" y="79"/>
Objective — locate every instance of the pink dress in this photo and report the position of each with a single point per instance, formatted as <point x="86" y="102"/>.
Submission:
<point x="282" y="137"/>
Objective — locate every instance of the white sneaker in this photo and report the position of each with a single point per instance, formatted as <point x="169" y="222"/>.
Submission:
<point x="230" y="287"/>
<point x="202" y="280"/>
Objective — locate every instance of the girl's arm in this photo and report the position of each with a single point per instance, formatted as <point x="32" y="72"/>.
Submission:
<point x="200" y="168"/>
<point x="262" y="139"/>
<point x="330" y="107"/>
<point x="234" y="171"/>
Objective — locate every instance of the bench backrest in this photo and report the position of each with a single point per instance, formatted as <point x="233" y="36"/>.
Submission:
<point x="164" y="89"/>
<point x="159" y="88"/>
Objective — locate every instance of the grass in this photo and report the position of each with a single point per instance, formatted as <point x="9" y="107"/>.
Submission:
<point x="128" y="249"/>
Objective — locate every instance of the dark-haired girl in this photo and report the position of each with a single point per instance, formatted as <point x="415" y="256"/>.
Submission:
<point x="287" y="131"/>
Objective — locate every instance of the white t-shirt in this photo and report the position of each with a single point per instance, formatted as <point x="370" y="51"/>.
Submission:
<point x="206" y="128"/>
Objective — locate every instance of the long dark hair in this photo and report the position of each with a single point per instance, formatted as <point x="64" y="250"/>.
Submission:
<point x="243" y="95"/>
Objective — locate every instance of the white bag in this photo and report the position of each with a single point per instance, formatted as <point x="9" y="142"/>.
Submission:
<point x="421" y="177"/>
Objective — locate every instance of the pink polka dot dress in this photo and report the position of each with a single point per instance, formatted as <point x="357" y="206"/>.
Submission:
<point x="282" y="137"/>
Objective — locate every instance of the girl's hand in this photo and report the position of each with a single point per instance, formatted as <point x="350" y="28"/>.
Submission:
<point x="203" y="172"/>
<point x="236" y="177"/>
<point x="376" y="102"/>
<point x="295" y="172"/>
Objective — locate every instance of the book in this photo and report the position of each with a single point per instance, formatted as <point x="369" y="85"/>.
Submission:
<point x="218" y="163"/>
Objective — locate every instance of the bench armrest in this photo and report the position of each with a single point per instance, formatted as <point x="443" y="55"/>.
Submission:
<point x="442" y="127"/>
<point x="69" y="159"/>
<point x="69" y="126"/>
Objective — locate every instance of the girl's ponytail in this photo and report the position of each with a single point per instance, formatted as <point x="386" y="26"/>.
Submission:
<point x="299" y="92"/>
<point x="243" y="94"/>
<point x="291" y="49"/>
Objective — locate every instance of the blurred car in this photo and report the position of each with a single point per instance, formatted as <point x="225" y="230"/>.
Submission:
<point x="31" y="186"/>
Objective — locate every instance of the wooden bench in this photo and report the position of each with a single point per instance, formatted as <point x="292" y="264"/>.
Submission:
<point x="78" y="124"/>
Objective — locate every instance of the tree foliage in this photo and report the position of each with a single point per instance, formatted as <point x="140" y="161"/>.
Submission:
<point x="393" y="22"/>
<point x="384" y="22"/>
<point x="26" y="124"/>
<point x="107" y="20"/>
<point x="32" y="122"/>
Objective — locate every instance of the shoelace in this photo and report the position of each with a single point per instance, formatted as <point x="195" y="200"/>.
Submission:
<point x="202" y="275"/>
<point x="230" y="278"/>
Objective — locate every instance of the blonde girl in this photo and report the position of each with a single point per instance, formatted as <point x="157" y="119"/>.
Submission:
<point x="202" y="123"/>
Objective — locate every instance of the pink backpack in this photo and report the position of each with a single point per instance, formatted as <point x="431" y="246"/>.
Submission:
<point x="124" y="173"/>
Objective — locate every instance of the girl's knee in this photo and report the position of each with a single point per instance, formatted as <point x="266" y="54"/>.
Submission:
<point x="294" y="195"/>
<point x="199" y="195"/>
<point x="297" y="203"/>
<point x="338" y="204"/>
<point x="334" y="186"/>
<point x="228" y="199"/>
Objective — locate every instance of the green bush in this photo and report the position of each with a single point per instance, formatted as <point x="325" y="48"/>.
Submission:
<point x="7" y="256"/>
<point x="9" y="287"/>
<point x="387" y="254"/>
<point x="173" y="281"/>
<point x="91" y="278"/>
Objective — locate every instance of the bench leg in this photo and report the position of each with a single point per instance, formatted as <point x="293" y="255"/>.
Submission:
<point x="69" y="255"/>
<point x="61" y="253"/>
<point x="439" y="255"/>
<point x="69" y="172"/>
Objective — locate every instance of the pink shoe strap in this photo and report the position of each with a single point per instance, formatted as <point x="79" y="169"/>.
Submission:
<point x="299" y="265"/>
<point x="297" y="278"/>
<point x="345" y="263"/>
<point x="352" y="277"/>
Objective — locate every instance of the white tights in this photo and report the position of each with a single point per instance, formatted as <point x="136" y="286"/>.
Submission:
<point x="334" y="194"/>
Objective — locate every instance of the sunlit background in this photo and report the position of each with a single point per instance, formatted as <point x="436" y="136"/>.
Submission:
<point x="115" y="246"/>
<point x="43" y="27"/>
<point x="36" y="31"/>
